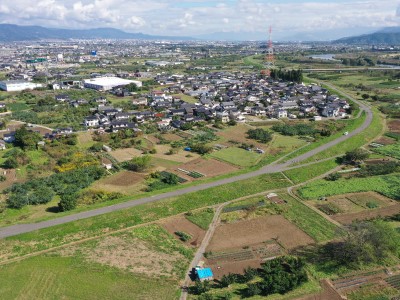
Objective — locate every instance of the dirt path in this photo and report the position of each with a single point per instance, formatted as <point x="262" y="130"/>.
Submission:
<point x="200" y="251"/>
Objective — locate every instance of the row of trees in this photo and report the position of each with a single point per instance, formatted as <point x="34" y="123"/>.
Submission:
<point x="279" y="275"/>
<point x="287" y="75"/>
<point x="296" y="129"/>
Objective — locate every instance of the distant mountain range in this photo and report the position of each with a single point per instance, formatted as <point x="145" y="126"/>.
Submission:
<point x="389" y="36"/>
<point x="11" y="33"/>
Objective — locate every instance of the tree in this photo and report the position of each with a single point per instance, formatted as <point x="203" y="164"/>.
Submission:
<point x="170" y="178"/>
<point x="356" y="155"/>
<point x="227" y="280"/>
<point x="260" y="135"/>
<point x="68" y="202"/>
<point x="11" y="163"/>
<point x="201" y="148"/>
<point x="132" y="87"/>
<point x="26" y="139"/>
<point x="201" y="287"/>
<point x="139" y="163"/>
<point x="252" y="290"/>
<point x="364" y="243"/>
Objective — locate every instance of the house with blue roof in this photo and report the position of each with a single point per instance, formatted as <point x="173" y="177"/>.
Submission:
<point x="204" y="274"/>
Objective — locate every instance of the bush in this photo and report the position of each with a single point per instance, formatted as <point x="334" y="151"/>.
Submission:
<point x="260" y="135"/>
<point x="201" y="149"/>
<point x="333" y="176"/>
<point x="183" y="236"/>
<point x="139" y="163"/>
<point x="68" y="202"/>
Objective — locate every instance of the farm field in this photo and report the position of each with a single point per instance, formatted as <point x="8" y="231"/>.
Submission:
<point x="245" y="233"/>
<point x="182" y="224"/>
<point x="125" y="154"/>
<point x="386" y="185"/>
<point x="390" y="150"/>
<point x="125" y="182"/>
<point x="206" y="167"/>
<point x="59" y="235"/>
<point x="359" y="206"/>
<point x="147" y="262"/>
<point x="181" y="157"/>
<point x="201" y="218"/>
<point x="85" y="140"/>
<point x="237" y="156"/>
<point x="394" y="126"/>
<point x="303" y="174"/>
<point x="368" y="214"/>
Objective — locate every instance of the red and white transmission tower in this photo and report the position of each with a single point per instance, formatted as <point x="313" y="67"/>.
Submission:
<point x="269" y="58"/>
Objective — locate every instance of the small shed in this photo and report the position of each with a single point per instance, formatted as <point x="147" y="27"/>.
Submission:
<point x="204" y="274"/>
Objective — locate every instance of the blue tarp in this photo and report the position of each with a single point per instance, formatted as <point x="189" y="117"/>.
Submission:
<point x="204" y="273"/>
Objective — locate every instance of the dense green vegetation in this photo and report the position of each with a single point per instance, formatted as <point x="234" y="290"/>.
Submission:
<point x="74" y="278"/>
<point x="364" y="244"/>
<point x="42" y="190"/>
<point x="303" y="174"/>
<point x="201" y="218"/>
<point x="390" y="150"/>
<point x="59" y="235"/>
<point x="276" y="276"/>
<point x="310" y="222"/>
<point x="287" y="75"/>
<point x="388" y="185"/>
<point x="259" y="134"/>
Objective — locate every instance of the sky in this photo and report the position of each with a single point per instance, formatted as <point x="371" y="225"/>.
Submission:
<point x="198" y="17"/>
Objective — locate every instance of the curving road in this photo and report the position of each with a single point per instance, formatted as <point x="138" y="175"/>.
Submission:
<point x="272" y="168"/>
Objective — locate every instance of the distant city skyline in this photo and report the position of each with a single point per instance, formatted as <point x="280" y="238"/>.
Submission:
<point x="198" y="17"/>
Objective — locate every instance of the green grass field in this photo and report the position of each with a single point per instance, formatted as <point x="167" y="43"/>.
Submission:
<point x="387" y="185"/>
<point x="66" y="233"/>
<point x="309" y="221"/>
<point x="237" y="156"/>
<point x="88" y="270"/>
<point x="53" y="277"/>
<point x="390" y="150"/>
<point x="201" y="218"/>
<point x="302" y="174"/>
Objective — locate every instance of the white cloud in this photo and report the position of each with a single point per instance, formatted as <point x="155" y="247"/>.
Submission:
<point x="191" y="17"/>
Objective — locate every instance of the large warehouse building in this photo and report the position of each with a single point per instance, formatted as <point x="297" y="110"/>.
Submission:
<point x="108" y="83"/>
<point x="18" y="85"/>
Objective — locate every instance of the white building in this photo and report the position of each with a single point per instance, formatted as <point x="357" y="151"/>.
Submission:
<point x="108" y="83"/>
<point x="18" y="85"/>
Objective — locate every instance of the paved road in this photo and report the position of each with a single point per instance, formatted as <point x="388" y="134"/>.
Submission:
<point x="272" y="168"/>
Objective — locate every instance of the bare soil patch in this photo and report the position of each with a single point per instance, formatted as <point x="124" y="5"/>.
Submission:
<point x="224" y="268"/>
<point x="181" y="156"/>
<point x="394" y="126"/>
<point x="124" y="182"/>
<point x="180" y="223"/>
<point x="384" y="140"/>
<point x="207" y="167"/>
<point x="132" y="254"/>
<point x="368" y="214"/>
<point x="327" y="293"/>
<point x="171" y="137"/>
<point x="11" y="178"/>
<point x="125" y="178"/>
<point x="250" y="232"/>
<point x="125" y="154"/>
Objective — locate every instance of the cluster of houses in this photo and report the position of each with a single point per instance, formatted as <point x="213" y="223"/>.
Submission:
<point x="219" y="96"/>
